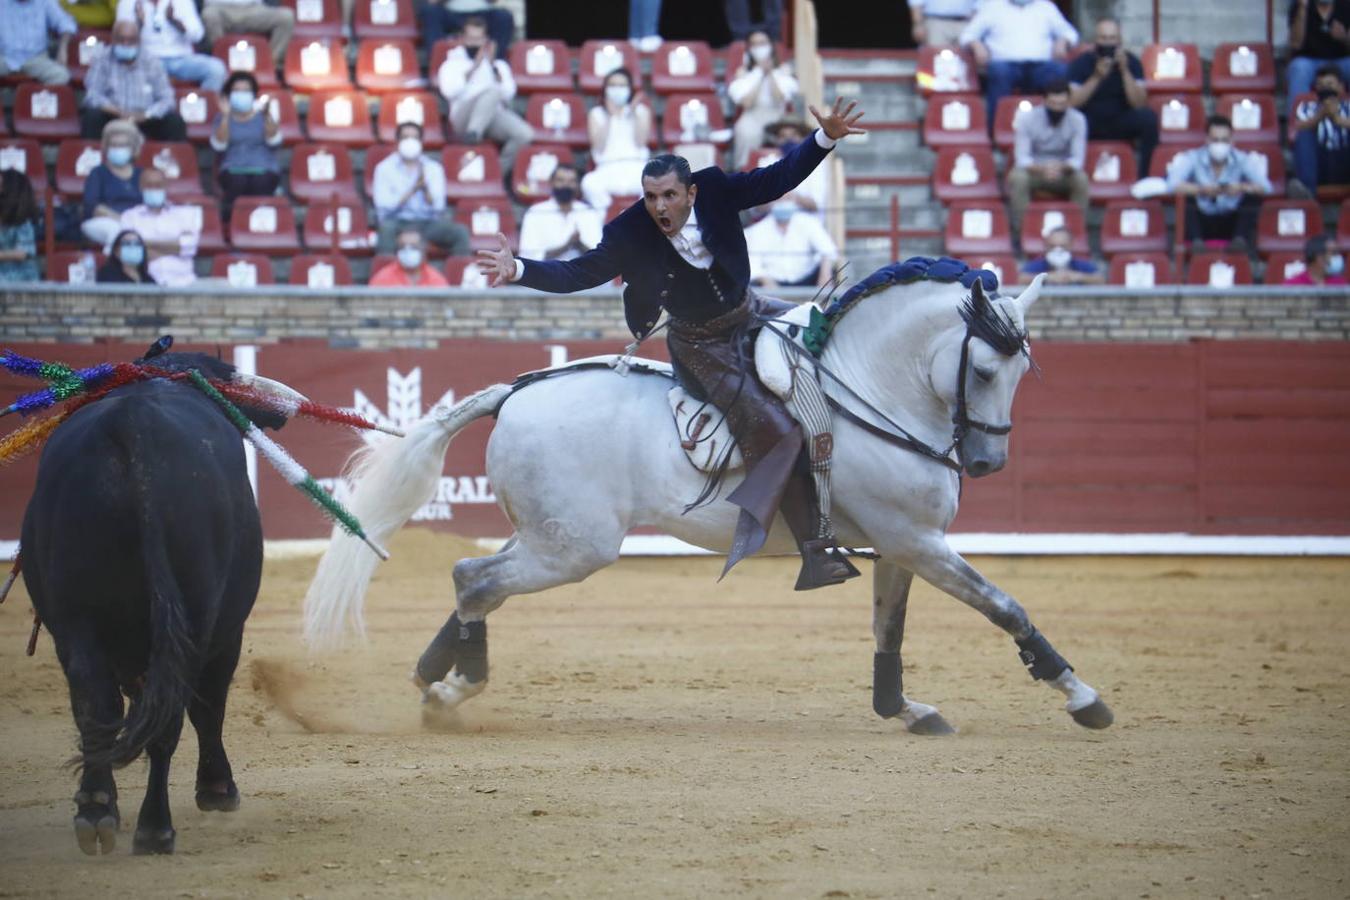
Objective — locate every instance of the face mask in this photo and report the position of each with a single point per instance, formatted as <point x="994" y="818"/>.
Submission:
<point x="782" y="212"/>
<point x="1335" y="264"/>
<point x="123" y="53"/>
<point x="761" y="52"/>
<point x="618" y="94"/>
<point x="119" y="156"/>
<point x="1021" y="2"/>
<point x="131" y="254"/>
<point x="564" y="195"/>
<point x="241" y="101"/>
<point x="410" y="257"/>
<point x="1219" y="150"/>
<point x="410" y="148"/>
<point x="472" y="51"/>
<point x="1107" y="50"/>
<point x="153" y="197"/>
<point x="1058" y="258"/>
<point x="1055" y="115"/>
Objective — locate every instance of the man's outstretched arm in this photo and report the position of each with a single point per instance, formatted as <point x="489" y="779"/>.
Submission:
<point x="767" y="184"/>
<point x="589" y="270"/>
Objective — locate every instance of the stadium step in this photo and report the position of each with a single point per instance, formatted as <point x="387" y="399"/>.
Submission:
<point x="876" y="65"/>
<point x="886" y="151"/>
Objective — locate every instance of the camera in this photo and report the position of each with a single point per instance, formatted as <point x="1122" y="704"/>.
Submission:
<point x="1105" y="51"/>
<point x="1323" y="94"/>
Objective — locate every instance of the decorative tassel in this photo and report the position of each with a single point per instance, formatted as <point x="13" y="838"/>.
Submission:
<point x="29" y="437"/>
<point x="13" y="576"/>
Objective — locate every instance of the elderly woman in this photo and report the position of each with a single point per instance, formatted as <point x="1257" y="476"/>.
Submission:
<point x="114" y="186"/>
<point x="245" y="137"/>
<point x="762" y="91"/>
<point x="18" y="228"/>
<point x="619" y="126"/>
<point x="128" y="262"/>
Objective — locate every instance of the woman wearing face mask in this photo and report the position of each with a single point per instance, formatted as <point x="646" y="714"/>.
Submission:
<point x="762" y="90"/>
<point x="245" y="136"/>
<point x="1325" y="265"/>
<point x="619" y="126"/>
<point x="127" y="263"/>
<point x="18" y="228"/>
<point x="113" y="186"/>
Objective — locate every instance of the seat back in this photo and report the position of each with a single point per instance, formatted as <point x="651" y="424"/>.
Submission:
<point x="340" y="117"/>
<point x="1181" y="118"/>
<point x="46" y="111"/>
<point x="956" y="120"/>
<point x="317" y="64"/>
<point x="1009" y="109"/>
<point x="1175" y="67"/>
<point x="75" y="159"/>
<point x="73" y="266"/>
<point x="534" y="167"/>
<point x="320" y="270"/>
<point x="1044" y="216"/>
<point x="943" y="70"/>
<point x="472" y="171"/>
<point x="1219" y="270"/>
<point x="600" y="57"/>
<point x="84" y="46"/>
<point x="1284" y="265"/>
<point x="683" y="67"/>
<point x="975" y="228"/>
<point x="541" y="66"/>
<point x="463" y="271"/>
<point x="1141" y="270"/>
<point x="24" y="155"/>
<point x="315" y="19"/>
<point x="263" y="225"/>
<point x="320" y="171"/>
<point x="198" y="110"/>
<point x="349" y="220"/>
<point x="387" y="64"/>
<point x="1133" y="226"/>
<point x="243" y="270"/>
<point x="558" y="118"/>
<point x="963" y="173"/>
<point x="1245" y="66"/>
<point x="1254" y="118"/>
<point x="694" y="117"/>
<point x="485" y="217"/>
<point x="250" y="53"/>
<point x="178" y="162"/>
<point x="1111" y="170"/>
<point x="381" y="19"/>
<point x="211" y="235"/>
<point x="1287" y="224"/>
<point x="410" y="106"/>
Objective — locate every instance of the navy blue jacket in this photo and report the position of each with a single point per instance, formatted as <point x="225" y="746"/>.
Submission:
<point x="633" y="246"/>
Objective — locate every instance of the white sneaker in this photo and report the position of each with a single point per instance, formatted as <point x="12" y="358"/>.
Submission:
<point x="649" y="44"/>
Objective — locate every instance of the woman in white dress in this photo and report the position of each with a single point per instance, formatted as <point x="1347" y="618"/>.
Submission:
<point x="620" y="126"/>
<point x="762" y="90"/>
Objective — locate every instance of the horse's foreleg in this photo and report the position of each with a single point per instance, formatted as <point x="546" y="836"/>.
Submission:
<point x="945" y="569"/>
<point x="890" y="602"/>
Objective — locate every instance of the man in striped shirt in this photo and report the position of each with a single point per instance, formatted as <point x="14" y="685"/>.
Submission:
<point x="124" y="82"/>
<point x="1322" y="134"/>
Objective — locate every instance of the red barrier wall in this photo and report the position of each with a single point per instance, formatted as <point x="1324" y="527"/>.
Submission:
<point x="1206" y="437"/>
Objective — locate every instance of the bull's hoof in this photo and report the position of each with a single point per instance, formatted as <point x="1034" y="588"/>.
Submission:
<point x="153" y="841"/>
<point x="217" y="797"/>
<point x="1096" y="715"/>
<point x="931" y="725"/>
<point x="96" y="834"/>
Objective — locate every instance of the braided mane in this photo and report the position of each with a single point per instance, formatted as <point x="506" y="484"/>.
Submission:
<point x="917" y="268"/>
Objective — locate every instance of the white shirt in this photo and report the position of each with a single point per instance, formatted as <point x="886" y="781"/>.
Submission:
<point x="621" y="140"/>
<point x="394" y="176"/>
<point x="755" y="80"/>
<point x="460" y="79"/>
<point x="1013" y="32"/>
<point x="171" y="224"/>
<point x="546" y="226"/>
<point x="789" y="255"/>
<point x="159" y="37"/>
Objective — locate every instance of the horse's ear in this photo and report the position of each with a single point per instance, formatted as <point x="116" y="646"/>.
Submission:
<point x="1031" y="294"/>
<point x="978" y="299"/>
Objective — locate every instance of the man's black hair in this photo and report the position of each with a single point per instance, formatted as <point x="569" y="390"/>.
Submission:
<point x="402" y="125"/>
<point x="1055" y="86"/>
<point x="1315" y="247"/>
<point x="1218" y="120"/>
<point x="246" y="77"/>
<point x="667" y="163"/>
<point x="1324" y="71"/>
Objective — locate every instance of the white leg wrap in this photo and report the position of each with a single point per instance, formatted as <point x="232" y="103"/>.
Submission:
<point x="1079" y="693"/>
<point x="453" y="691"/>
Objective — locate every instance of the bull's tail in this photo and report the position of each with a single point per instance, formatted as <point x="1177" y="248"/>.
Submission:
<point x="393" y="478"/>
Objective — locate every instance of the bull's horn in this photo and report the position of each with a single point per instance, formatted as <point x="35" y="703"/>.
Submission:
<point x="272" y="388"/>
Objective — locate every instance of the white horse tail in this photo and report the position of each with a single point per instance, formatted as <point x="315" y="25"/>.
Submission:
<point x="392" y="478"/>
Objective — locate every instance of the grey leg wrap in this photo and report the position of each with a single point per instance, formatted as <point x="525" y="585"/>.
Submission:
<point x="1041" y="659"/>
<point x="441" y="654"/>
<point x="473" y="661"/>
<point x="808" y="406"/>
<point x="887" y="685"/>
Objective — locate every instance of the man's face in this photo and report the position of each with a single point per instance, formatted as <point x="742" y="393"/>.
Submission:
<point x="1108" y="34"/>
<point x="564" y="178"/>
<point x="1058" y="239"/>
<point x="1329" y="83"/>
<point x="126" y="34"/>
<point x="1057" y="102"/>
<point x="152" y="179"/>
<point x="668" y="202"/>
<point x="473" y="36"/>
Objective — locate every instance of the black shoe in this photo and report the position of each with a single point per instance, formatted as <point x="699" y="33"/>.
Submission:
<point x="823" y="565"/>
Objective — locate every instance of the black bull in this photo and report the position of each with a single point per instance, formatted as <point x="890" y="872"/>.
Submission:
<point x="142" y="552"/>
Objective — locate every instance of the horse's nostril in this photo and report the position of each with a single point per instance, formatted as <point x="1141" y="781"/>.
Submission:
<point x="978" y="467"/>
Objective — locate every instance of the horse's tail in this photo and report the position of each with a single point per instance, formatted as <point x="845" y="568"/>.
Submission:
<point x="392" y="478"/>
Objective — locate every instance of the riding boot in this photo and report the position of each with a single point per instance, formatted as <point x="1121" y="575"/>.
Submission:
<point x="822" y="563"/>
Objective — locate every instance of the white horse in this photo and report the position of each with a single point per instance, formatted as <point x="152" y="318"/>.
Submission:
<point x="580" y="459"/>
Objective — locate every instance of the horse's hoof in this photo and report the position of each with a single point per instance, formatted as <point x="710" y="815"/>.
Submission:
<point x="453" y="691"/>
<point x="931" y="725"/>
<point x="96" y="835"/>
<point x="150" y="841"/>
<point x="211" y="799"/>
<point x="1095" y="715"/>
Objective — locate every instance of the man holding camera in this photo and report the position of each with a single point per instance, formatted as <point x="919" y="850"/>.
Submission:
<point x="1322" y="136"/>
<point x="1107" y="85"/>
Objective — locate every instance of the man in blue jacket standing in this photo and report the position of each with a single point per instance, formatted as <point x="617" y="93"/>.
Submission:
<point x="681" y="248"/>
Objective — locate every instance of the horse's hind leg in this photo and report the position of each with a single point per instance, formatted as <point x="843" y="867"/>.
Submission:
<point x="890" y="602"/>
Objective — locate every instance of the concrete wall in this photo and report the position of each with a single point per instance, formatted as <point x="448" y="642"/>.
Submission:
<point x="1203" y="22"/>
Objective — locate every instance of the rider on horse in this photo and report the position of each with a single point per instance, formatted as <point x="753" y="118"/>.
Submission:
<point x="682" y="249"/>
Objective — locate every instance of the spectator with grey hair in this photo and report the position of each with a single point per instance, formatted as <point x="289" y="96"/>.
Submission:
<point x="114" y="185"/>
<point x="125" y="82"/>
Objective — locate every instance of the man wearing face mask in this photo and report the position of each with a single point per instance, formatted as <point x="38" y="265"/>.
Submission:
<point x="409" y="192"/>
<point x="1325" y="264"/>
<point x="125" y="83"/>
<point x="1224" y="187"/>
<point x="479" y="89"/>
<point x="170" y="232"/>
<point x="23" y="39"/>
<point x="1319" y="35"/>
<point x="170" y="29"/>
<point x="1049" y="148"/>
<point x="812" y="195"/>
<point x="410" y="267"/>
<point x="562" y="227"/>
<point x="1107" y="84"/>
<point x="1060" y="265"/>
<point x="1021" y="45"/>
<point x="789" y="248"/>
<point x="1322" y="136"/>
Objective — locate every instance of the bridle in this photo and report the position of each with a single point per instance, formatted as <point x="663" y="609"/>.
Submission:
<point x="962" y="420"/>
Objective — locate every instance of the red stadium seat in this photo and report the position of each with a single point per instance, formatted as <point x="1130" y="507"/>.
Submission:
<point x="1274" y="164"/>
<point x="1286" y="264"/>
<point x="282" y="107"/>
<point x="320" y="270"/>
<point x="46" y="111"/>
<point x="956" y="120"/>
<point x="1005" y="117"/>
<point x="1181" y="119"/>
<point x="694" y="117"/>
<point x="761" y="157"/>
<point x="1163" y="157"/>
<point x="558" y="119"/>
<point x="250" y="53"/>
<point x="24" y="155"/>
<point x="1141" y="270"/>
<point x="316" y="19"/>
<point x="463" y="271"/>
<point x="242" y="269"/>
<point x="83" y="47"/>
<point x="683" y="67"/>
<point x="350" y="221"/>
<point x="75" y="159"/>
<point x="1004" y="266"/>
<point x="600" y="57"/>
<point x="388" y="65"/>
<point x="1242" y="67"/>
<point x="320" y="171"/>
<point x="1219" y="270"/>
<point x="484" y="218"/>
<point x="1254" y="118"/>
<point x="198" y="110"/>
<point x="976" y="228"/>
<point x="1111" y="170"/>
<point x="340" y="117"/>
<point x="945" y="70"/>
<point x="472" y="171"/>
<point x="1133" y="226"/>
<point x="1173" y="67"/>
<point x="410" y="106"/>
<point x="540" y="66"/>
<point x="374" y="156"/>
<point x="1287" y="224"/>
<point x="178" y="162"/>
<point x="1043" y="216"/>
<point x="264" y="225"/>
<point x="965" y="173"/>
<point x="436" y="58"/>
<point x="73" y="266"/>
<point x="317" y="65"/>
<point x="534" y="167"/>
<point x="383" y="19"/>
<point x="212" y="236"/>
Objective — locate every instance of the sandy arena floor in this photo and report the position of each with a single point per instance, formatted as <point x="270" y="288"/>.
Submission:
<point x="651" y="734"/>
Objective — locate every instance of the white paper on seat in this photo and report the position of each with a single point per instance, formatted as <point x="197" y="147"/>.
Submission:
<point x="242" y="56"/>
<point x="486" y="221"/>
<point x="383" y="12"/>
<point x="557" y="115"/>
<point x="242" y="274"/>
<point x="320" y="275"/>
<point x="263" y="220"/>
<point x="1246" y="115"/>
<point x="89" y="160"/>
<point x="1053" y="219"/>
<point x="314" y="60"/>
<point x="1221" y="274"/>
<point x="541" y="167"/>
<point x="309" y="10"/>
<point x="1291" y="222"/>
<point x="964" y="170"/>
<point x="44" y="105"/>
<point x="607" y="59"/>
<point x="1140" y="274"/>
<point x="1107" y="169"/>
<point x="388" y="60"/>
<point x="1176" y="116"/>
<point x="321" y="166"/>
<point x="1133" y="222"/>
<point x="472" y="167"/>
<point x="539" y="60"/>
<point x="682" y="62"/>
<point x="955" y="116"/>
<point x="15" y="158"/>
<point x="1242" y="62"/>
<point x="977" y="223"/>
<point x="1170" y="64"/>
<point x="193" y="108"/>
<point x="410" y="109"/>
<point x="337" y="112"/>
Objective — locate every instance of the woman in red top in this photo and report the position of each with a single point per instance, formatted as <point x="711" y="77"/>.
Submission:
<point x="1326" y="265"/>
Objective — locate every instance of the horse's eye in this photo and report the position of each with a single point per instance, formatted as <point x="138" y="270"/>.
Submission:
<point x="984" y="374"/>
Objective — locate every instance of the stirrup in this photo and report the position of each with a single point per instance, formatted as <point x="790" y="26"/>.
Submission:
<point x="823" y="565"/>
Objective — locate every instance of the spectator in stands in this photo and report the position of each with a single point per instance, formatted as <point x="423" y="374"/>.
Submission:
<point x="789" y="248"/>
<point x="411" y="269"/>
<point x="1049" y="148"/>
<point x="245" y="136"/>
<point x="564" y="226"/>
<point x="479" y="89"/>
<point x="18" y="228"/>
<point x="23" y="39"/>
<point x="742" y="25"/>
<point x="1223" y="185"/>
<point x="644" y="18"/>
<point x="127" y="261"/>
<point x="1322" y="138"/>
<point x="125" y="83"/>
<point x="762" y="90"/>
<point x="813" y="194"/>
<point x="1021" y="44"/>
<point x="409" y="193"/>
<point x="442" y="17"/>
<point x="1108" y="86"/>
<point x="1060" y="263"/>
<point x="1325" y="263"/>
<point x="170" y="232"/>
<point x="222" y="17"/>
<point x="90" y="13"/>
<point x="619" y="126"/>
<point x="939" y="23"/>
<point x="1319" y="35"/>
<point x="169" y="29"/>
<point x="114" y="185"/>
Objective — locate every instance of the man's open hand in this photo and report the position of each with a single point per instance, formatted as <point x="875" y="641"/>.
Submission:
<point x="500" y="264"/>
<point x="840" y="120"/>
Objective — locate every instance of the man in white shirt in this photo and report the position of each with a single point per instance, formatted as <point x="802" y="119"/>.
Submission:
<point x="222" y="17"/>
<point x="409" y="193"/>
<point x="939" y="23"/>
<point x="1021" y="44"/>
<point x="564" y="226"/>
<point x="813" y="194"/>
<point x="479" y="89"/>
<point x="169" y="29"/>
<point x="789" y="248"/>
<point x="170" y="232"/>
